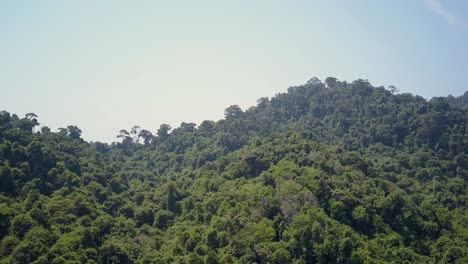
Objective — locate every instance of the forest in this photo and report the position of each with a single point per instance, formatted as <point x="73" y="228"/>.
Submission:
<point x="326" y="172"/>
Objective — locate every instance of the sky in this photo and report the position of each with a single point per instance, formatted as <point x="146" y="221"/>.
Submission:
<point x="109" y="65"/>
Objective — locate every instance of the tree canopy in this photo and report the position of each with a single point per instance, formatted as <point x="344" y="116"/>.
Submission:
<point x="331" y="172"/>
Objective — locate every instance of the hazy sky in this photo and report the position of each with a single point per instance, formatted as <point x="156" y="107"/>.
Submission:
<point x="109" y="65"/>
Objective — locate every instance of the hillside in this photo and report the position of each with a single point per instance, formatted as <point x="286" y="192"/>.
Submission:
<point x="331" y="172"/>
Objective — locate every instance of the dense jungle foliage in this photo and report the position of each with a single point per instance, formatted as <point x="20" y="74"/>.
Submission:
<point x="331" y="172"/>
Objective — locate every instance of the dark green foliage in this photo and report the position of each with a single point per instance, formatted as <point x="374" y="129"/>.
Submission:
<point x="144" y="216"/>
<point x="461" y="101"/>
<point x="21" y="224"/>
<point x="330" y="172"/>
<point x="162" y="219"/>
<point x="7" y="181"/>
<point x="5" y="213"/>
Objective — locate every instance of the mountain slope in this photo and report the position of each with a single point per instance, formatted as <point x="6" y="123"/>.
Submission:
<point x="330" y="172"/>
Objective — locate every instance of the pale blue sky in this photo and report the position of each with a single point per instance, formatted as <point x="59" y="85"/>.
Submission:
<point x="109" y="65"/>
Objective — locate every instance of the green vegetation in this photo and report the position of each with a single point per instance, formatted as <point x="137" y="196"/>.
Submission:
<point x="461" y="101"/>
<point x="330" y="172"/>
